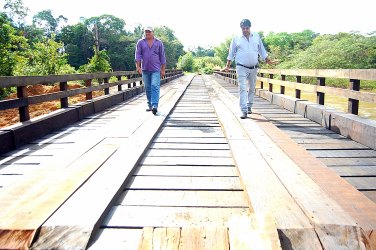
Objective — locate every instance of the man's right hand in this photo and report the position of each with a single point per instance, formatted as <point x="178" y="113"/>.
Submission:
<point x="225" y="69"/>
<point x="139" y="70"/>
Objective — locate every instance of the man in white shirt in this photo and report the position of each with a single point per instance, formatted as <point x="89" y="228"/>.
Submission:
<point x="245" y="50"/>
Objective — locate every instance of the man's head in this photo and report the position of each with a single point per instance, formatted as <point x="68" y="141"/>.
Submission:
<point x="245" y="25"/>
<point x="149" y="32"/>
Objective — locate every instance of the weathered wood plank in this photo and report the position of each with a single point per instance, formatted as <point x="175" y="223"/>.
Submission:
<point x="166" y="238"/>
<point x="204" y="238"/>
<point x="362" y="183"/>
<point x="116" y="238"/>
<point x="364" y="153"/>
<point x="134" y="216"/>
<point x="184" y="198"/>
<point x="180" y="152"/>
<point x="348" y="161"/>
<point x="173" y="182"/>
<point x="196" y="146"/>
<point x="253" y="232"/>
<point x="191" y="140"/>
<point x="199" y="161"/>
<point x="355" y="170"/>
<point x="186" y="170"/>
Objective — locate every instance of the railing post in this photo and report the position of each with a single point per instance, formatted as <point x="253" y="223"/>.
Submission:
<point x="353" y="105"/>
<point x="23" y="111"/>
<point x="283" y="78"/>
<point x="298" y="91"/>
<point x="64" y="100"/>
<point x="261" y="82"/>
<point x="120" y="85"/>
<point x="89" y="95"/>
<point x="106" y="90"/>
<point x="271" y="84"/>
<point x="129" y="84"/>
<point x="320" y="95"/>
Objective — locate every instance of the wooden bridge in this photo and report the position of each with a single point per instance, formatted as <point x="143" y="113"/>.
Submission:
<point x="105" y="174"/>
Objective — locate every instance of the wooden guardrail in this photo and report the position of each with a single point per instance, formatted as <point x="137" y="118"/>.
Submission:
<point x="23" y="101"/>
<point x="353" y="93"/>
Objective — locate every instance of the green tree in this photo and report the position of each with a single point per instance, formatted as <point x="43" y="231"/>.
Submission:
<point x="11" y="46"/>
<point x="47" y="22"/>
<point x="222" y="50"/>
<point x="16" y="11"/>
<point x="78" y="42"/>
<point x="44" y="58"/>
<point x="343" y="50"/>
<point x="98" y="63"/>
<point x="186" y="62"/>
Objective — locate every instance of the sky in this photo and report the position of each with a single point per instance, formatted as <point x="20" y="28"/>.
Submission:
<point x="208" y="23"/>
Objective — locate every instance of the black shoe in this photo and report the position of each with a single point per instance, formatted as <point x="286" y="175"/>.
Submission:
<point x="249" y="111"/>
<point x="244" y="115"/>
<point x="154" y="110"/>
<point x="148" y="109"/>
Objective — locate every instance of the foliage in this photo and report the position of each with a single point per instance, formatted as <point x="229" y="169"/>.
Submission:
<point x="340" y="51"/>
<point x="98" y="63"/>
<point x="78" y="42"/>
<point x="222" y="50"/>
<point x="47" y="22"/>
<point x="44" y="58"/>
<point x="16" y="11"/>
<point x="186" y="62"/>
<point x="206" y="64"/>
<point x="202" y="52"/>
<point x="11" y="45"/>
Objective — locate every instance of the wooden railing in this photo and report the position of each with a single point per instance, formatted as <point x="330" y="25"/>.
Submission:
<point x="23" y="101"/>
<point x="354" y="76"/>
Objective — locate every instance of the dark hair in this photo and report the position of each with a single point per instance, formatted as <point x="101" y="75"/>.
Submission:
<point x="245" y="23"/>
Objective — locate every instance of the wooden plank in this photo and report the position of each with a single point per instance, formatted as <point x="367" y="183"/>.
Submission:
<point x="253" y="232"/>
<point x="166" y="238"/>
<point x="331" y="145"/>
<point x="117" y="238"/>
<point x="371" y="195"/>
<point x="197" y="146"/>
<point x="355" y="170"/>
<point x="187" y="170"/>
<point x="190" y="140"/>
<point x="348" y="161"/>
<point x="362" y="183"/>
<point x="180" y="152"/>
<point x="191" y="134"/>
<point x="82" y="211"/>
<point x="134" y="216"/>
<point x="174" y="182"/>
<point x="198" y="161"/>
<point x="364" y="153"/>
<point x="146" y="242"/>
<point x="190" y="198"/>
<point x="204" y="238"/>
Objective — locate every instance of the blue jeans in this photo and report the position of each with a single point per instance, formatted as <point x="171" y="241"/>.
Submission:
<point x="247" y="84"/>
<point x="152" y="82"/>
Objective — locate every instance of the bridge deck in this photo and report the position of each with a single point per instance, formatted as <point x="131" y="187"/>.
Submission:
<point x="194" y="177"/>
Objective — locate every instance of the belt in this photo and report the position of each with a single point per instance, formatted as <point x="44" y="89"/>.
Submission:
<point x="252" y="67"/>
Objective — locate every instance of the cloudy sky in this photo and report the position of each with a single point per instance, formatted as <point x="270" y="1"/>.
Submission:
<point x="207" y="23"/>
